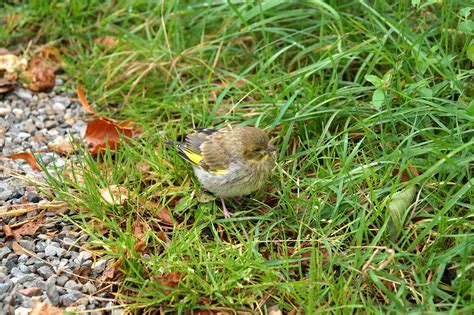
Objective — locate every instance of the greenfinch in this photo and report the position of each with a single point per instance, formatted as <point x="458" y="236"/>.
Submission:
<point x="229" y="162"/>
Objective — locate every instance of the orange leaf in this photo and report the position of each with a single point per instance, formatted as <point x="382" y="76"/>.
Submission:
<point x="29" y="228"/>
<point x="165" y="217"/>
<point x="114" y="195"/>
<point x="101" y="133"/>
<point x="170" y="280"/>
<point x="45" y="309"/>
<point x="83" y="100"/>
<point x="8" y="231"/>
<point x="107" y="41"/>
<point x="27" y="156"/>
<point x="31" y="291"/>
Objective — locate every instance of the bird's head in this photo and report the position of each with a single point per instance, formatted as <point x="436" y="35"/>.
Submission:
<point x="255" y="144"/>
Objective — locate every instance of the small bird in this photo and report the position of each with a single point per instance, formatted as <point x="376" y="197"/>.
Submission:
<point x="229" y="162"/>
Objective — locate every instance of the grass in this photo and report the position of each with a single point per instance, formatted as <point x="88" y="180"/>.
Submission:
<point x="322" y="237"/>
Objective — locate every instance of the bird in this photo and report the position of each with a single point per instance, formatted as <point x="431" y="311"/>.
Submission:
<point x="229" y="162"/>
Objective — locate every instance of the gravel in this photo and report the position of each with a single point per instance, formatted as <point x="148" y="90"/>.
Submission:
<point x="46" y="263"/>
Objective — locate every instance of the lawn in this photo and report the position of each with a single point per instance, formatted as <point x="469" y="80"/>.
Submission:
<point x="369" y="209"/>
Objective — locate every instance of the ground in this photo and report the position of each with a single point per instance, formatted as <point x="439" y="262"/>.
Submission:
<point x="369" y="208"/>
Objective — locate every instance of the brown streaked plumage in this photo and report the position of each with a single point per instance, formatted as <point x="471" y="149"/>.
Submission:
<point x="229" y="162"/>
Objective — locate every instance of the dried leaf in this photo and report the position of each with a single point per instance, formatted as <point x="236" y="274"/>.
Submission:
<point x="109" y="274"/>
<point x="27" y="156"/>
<point x="31" y="291"/>
<point x="169" y="280"/>
<point x="82" y="274"/>
<point x="61" y="146"/>
<point x="162" y="214"/>
<point x="45" y="309"/>
<point x="275" y="310"/>
<point x="8" y="82"/>
<point x="83" y="100"/>
<point x="11" y="19"/>
<point x="140" y="246"/>
<point x="10" y="63"/>
<point x="114" y="195"/>
<point x="138" y="227"/>
<point x="397" y="208"/>
<point x="222" y="84"/>
<point x="18" y="249"/>
<point x="101" y="133"/>
<point x="162" y="236"/>
<point x="29" y="228"/>
<point x="39" y="78"/>
<point x="48" y="57"/>
<point x="41" y="68"/>
<point x="107" y="41"/>
<point x="8" y="231"/>
<point x="405" y="177"/>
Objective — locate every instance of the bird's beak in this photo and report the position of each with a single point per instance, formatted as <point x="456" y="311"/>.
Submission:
<point x="270" y="148"/>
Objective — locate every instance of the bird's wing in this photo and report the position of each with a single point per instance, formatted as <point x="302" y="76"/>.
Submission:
<point x="201" y="148"/>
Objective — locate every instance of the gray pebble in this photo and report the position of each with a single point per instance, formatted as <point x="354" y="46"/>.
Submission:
<point x="53" y="251"/>
<point x="6" y="191"/>
<point x="59" y="108"/>
<point x="16" y="272"/>
<point x="73" y="285"/>
<point x="90" y="288"/>
<point x="23" y="268"/>
<point x="22" y="136"/>
<point x="23" y="259"/>
<point x="24" y="94"/>
<point x="50" y="124"/>
<point x="33" y="197"/>
<point x="84" y="255"/>
<point x="5" y="110"/>
<point x="45" y="272"/>
<point x="40" y="246"/>
<point x="18" y="112"/>
<point x="68" y="299"/>
<point x="27" y="244"/>
<point x="4" y="251"/>
<point x="26" y="278"/>
<point x="52" y="292"/>
<point x="61" y="280"/>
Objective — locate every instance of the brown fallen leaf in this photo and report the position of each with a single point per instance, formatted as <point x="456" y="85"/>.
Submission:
<point x="138" y="227"/>
<point x="108" y="274"/>
<point x="8" y="231"/>
<point x="107" y="41"/>
<point x="8" y="83"/>
<point x="39" y="78"/>
<point x="82" y="274"/>
<point x="169" y="280"/>
<point x="114" y="195"/>
<point x="41" y="308"/>
<point x="101" y="133"/>
<point x="163" y="213"/>
<point x="405" y="177"/>
<point x="140" y="246"/>
<point x="18" y="249"/>
<point x="162" y="236"/>
<point x="83" y="100"/>
<point x="31" y="291"/>
<point x="61" y="146"/>
<point x="27" y="156"/>
<point x="29" y="228"/>
<point x="41" y="68"/>
<point x="221" y="84"/>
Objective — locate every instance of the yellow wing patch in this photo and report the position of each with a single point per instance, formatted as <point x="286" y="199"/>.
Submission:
<point x="219" y="172"/>
<point x="193" y="157"/>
